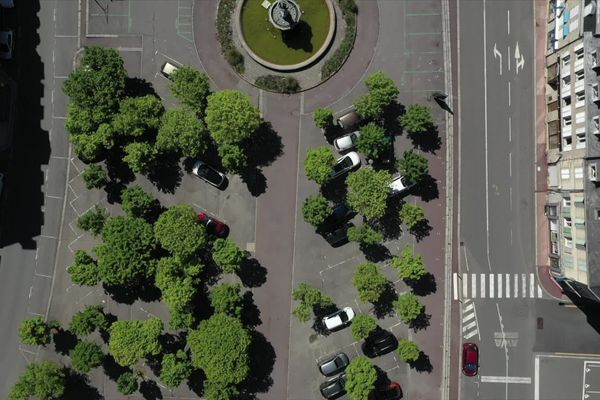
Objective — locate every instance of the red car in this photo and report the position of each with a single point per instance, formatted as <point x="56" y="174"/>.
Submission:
<point x="390" y="391"/>
<point x="470" y="359"/>
<point x="213" y="226"/>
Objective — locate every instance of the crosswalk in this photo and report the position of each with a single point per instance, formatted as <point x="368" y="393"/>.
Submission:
<point x="495" y="286"/>
<point x="470" y="326"/>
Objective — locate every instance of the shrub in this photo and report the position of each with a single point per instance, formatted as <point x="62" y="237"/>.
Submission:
<point x="335" y="62"/>
<point x="323" y="118"/>
<point x="236" y="60"/>
<point x="95" y="176"/>
<point x="232" y="55"/>
<point x="364" y="235"/>
<point x="277" y="83"/>
<point x="93" y="220"/>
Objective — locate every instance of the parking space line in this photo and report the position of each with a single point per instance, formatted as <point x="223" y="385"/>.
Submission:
<point x="423" y="33"/>
<point x="506" y="379"/>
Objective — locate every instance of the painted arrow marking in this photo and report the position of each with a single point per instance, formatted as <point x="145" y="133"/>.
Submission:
<point x="498" y="54"/>
<point x="519" y="58"/>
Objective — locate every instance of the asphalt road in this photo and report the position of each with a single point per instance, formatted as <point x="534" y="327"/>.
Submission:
<point x="496" y="194"/>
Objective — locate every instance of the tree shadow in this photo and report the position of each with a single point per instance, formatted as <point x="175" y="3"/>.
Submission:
<point x="428" y="141"/>
<point x="299" y="37"/>
<point x="390" y="118"/>
<point x="196" y="382"/>
<point x="385" y="305"/>
<point x="262" y="359"/>
<point x="263" y="147"/>
<point x="390" y="225"/>
<point x="427" y="189"/>
<point x="421" y="322"/>
<point x="255" y="180"/>
<point x="78" y="387"/>
<point x="251" y="313"/>
<point x="104" y="333"/>
<point x="332" y="132"/>
<point x="64" y="341"/>
<point x="335" y="190"/>
<point x="421" y="230"/>
<point x="112" y="369"/>
<point x="319" y="312"/>
<point x="375" y="252"/>
<point x="166" y="174"/>
<point x="144" y="291"/>
<point x="171" y="342"/>
<point x="150" y="390"/>
<point x="252" y="273"/>
<point x="422" y="364"/>
<point x="119" y="174"/>
<point x="202" y="308"/>
<point x="424" y="286"/>
<point x="137" y="87"/>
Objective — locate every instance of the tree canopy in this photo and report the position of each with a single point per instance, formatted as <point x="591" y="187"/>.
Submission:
<point x="84" y="271"/>
<point x="95" y="176"/>
<point x="323" y="118"/>
<point x="372" y="141"/>
<point x="85" y="356"/>
<point x="382" y="92"/>
<point x="178" y="231"/>
<point x="131" y="340"/>
<point x="412" y="215"/>
<point x="231" y="117"/>
<point x="408" y="351"/>
<point x="226" y="298"/>
<point x="409" y="266"/>
<point x="138" y="115"/>
<point x="227" y="255"/>
<point x="417" y="119"/>
<point x="369" y="281"/>
<point x="127" y="254"/>
<point x="408" y="307"/>
<point x="364" y="235"/>
<point x="93" y="220"/>
<point x="44" y="380"/>
<point x="88" y="320"/>
<point x="413" y="166"/>
<point x="36" y="331"/>
<point x="138" y="203"/>
<point x="182" y="132"/>
<point x="362" y="326"/>
<point x="175" y="368"/>
<point x="309" y="297"/>
<point x="140" y="156"/>
<point x="316" y="209"/>
<point x="318" y="164"/>
<point x="127" y="383"/>
<point x="368" y="192"/>
<point x="361" y="376"/>
<point x="220" y="347"/>
<point x="233" y="157"/>
<point x="190" y="87"/>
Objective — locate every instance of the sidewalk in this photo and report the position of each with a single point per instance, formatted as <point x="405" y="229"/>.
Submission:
<point x="541" y="182"/>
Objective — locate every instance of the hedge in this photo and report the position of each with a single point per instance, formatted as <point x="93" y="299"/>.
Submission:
<point x="335" y="62"/>
<point x="277" y="83"/>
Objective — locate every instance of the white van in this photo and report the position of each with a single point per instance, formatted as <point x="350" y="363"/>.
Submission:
<point x="168" y="69"/>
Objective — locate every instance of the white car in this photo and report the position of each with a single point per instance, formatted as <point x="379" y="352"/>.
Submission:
<point x="345" y="164"/>
<point x="346" y="142"/>
<point x="6" y="44"/>
<point x="168" y="69"/>
<point x="399" y="186"/>
<point x="339" y="318"/>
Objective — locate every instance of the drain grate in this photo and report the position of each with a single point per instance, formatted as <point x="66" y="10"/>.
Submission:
<point x="540" y="323"/>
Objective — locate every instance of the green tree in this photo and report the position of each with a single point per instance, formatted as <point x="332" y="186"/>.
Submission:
<point x="408" y="351"/>
<point x="369" y="281"/>
<point x="310" y="298"/>
<point x="83" y="121"/>
<point x="382" y="92"/>
<point x="362" y="326"/>
<point x="318" y="164"/>
<point x="127" y="383"/>
<point x="93" y="220"/>
<point x="44" y="380"/>
<point x="227" y="255"/>
<point x="190" y="87"/>
<point x="408" y="265"/>
<point x="416" y="119"/>
<point x="323" y="118"/>
<point x="95" y="176"/>
<point x="131" y="340"/>
<point x="219" y="391"/>
<point x="233" y="157"/>
<point x="372" y="141"/>
<point x="128" y="252"/>
<point x="138" y="115"/>
<point x="220" y="348"/>
<point x="316" y="209"/>
<point x="360" y="378"/>
<point x="368" y="192"/>
<point x="175" y="368"/>
<point x="178" y="231"/>
<point x="226" y="298"/>
<point x="84" y="271"/>
<point x="90" y="147"/>
<point x="364" y="235"/>
<point x="183" y="133"/>
<point x="137" y="203"/>
<point x="412" y="215"/>
<point x="178" y="283"/>
<point x="35" y="331"/>
<point x="140" y="156"/>
<point x="413" y="166"/>
<point x="231" y="117"/>
<point x="88" y="320"/>
<point x="408" y="307"/>
<point x="85" y="356"/>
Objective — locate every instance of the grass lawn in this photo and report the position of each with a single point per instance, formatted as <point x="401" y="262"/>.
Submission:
<point x="285" y="47"/>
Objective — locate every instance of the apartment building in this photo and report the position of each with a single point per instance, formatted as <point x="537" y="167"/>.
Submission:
<point x="573" y="128"/>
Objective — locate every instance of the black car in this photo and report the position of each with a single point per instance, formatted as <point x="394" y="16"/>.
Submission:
<point x="334" y="365"/>
<point x="338" y="236"/>
<point x="380" y="342"/>
<point x="334" y="388"/>
<point x="340" y="215"/>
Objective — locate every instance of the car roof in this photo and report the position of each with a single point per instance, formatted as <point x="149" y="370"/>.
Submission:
<point x="397" y="185"/>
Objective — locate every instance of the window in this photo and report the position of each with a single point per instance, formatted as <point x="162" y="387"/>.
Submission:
<point x="566" y="60"/>
<point x="566" y="80"/>
<point x="579" y="54"/>
<point x="594" y="58"/>
<point x="565" y="173"/>
<point x="578" y="172"/>
<point x="596" y="123"/>
<point x="567" y="222"/>
<point x="595" y="92"/>
<point x="579" y="75"/>
<point x="580" y="145"/>
<point x="566" y="202"/>
<point x="552" y="212"/>
<point x="568" y="243"/>
<point x="566" y="101"/>
<point x="598" y="213"/>
<point x="567" y="143"/>
<point x="567" y="121"/>
<point x="580" y="98"/>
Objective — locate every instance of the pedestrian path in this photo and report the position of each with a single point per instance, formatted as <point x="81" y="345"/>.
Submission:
<point x="470" y="326"/>
<point x="495" y="286"/>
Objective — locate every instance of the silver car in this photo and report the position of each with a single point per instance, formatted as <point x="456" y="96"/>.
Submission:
<point x="208" y="174"/>
<point x="335" y="364"/>
<point x="345" y="164"/>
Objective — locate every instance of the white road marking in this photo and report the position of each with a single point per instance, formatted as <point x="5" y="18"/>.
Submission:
<point x="507" y="277"/>
<point x="455" y="285"/>
<point x="508" y="58"/>
<point x="506" y="379"/>
<point x="536" y="374"/>
<point x="485" y="117"/>
<point x="465" y="288"/>
<point x="531" y="287"/>
<point x="469" y="317"/>
<point x="471" y="334"/>
<point x="469" y="307"/>
<point x="510" y="164"/>
<point x="482" y="284"/>
<point x="499" y="286"/>
<point x="474" y="286"/>
<point x="469" y="326"/>
<point x="510" y="129"/>
<point x="516" y="286"/>
<point x="524" y="284"/>
<point x="491" y="285"/>
<point x="539" y="291"/>
<point x="509" y="93"/>
<point x="508" y="20"/>
<point x="497" y="54"/>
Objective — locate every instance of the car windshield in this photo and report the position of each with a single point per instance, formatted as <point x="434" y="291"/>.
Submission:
<point x="209" y="174"/>
<point x="342" y="165"/>
<point x="353" y="137"/>
<point x="343" y="316"/>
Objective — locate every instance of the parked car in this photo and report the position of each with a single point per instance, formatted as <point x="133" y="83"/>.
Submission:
<point x="470" y="359"/>
<point x="399" y="185"/>
<point x="213" y="226"/>
<point x="208" y="174"/>
<point x="345" y="164"/>
<point x="349" y="121"/>
<point x="168" y="69"/>
<point x="380" y="342"/>
<point x="340" y="214"/>
<point x="338" y="236"/>
<point x="1" y="183"/>
<point x="389" y="391"/>
<point x="346" y="142"/>
<point x="334" y="365"/>
<point x="338" y="319"/>
<point x="7" y="44"/>
<point x="7" y="3"/>
<point x="334" y="388"/>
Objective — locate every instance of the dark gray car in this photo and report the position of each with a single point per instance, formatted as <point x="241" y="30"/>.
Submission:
<point x="334" y="365"/>
<point x="334" y="388"/>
